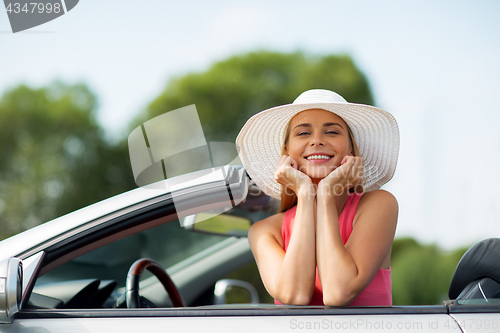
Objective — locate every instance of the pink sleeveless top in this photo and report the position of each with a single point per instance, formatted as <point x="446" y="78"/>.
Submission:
<point x="378" y="292"/>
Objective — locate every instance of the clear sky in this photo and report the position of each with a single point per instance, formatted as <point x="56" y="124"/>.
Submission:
<point x="435" y="65"/>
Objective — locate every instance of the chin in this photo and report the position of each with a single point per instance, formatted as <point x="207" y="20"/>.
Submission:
<point x="318" y="172"/>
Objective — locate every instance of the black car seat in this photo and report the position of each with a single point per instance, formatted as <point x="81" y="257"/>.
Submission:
<point x="477" y="275"/>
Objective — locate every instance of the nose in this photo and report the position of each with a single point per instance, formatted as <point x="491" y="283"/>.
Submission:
<point x="317" y="140"/>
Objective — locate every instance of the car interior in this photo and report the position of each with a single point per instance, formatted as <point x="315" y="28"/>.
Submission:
<point x="196" y="254"/>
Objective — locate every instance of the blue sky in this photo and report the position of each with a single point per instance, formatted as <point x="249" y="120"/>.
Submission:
<point x="433" y="64"/>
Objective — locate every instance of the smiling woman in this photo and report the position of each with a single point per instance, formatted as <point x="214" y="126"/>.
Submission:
<point x="317" y="125"/>
<point x="318" y="141"/>
<point x="343" y="225"/>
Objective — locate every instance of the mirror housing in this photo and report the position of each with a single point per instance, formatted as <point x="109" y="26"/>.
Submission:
<point x="235" y="221"/>
<point x="11" y="285"/>
<point x="222" y="288"/>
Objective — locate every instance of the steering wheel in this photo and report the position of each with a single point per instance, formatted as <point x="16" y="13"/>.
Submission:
<point x="132" y="285"/>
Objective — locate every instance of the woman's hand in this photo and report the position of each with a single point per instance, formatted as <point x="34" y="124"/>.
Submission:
<point x="344" y="177"/>
<point x="289" y="176"/>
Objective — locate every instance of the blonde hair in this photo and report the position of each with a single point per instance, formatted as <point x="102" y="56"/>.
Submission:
<point x="288" y="200"/>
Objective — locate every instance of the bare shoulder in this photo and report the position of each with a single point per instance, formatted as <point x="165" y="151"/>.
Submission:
<point x="378" y="203"/>
<point x="270" y="226"/>
<point x="378" y="198"/>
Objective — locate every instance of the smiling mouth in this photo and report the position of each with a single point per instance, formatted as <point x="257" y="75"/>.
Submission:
<point x="318" y="157"/>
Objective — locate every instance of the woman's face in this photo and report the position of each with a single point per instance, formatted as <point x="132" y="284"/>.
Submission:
<point x="318" y="142"/>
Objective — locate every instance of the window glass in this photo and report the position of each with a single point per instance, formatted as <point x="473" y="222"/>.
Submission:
<point x="168" y="244"/>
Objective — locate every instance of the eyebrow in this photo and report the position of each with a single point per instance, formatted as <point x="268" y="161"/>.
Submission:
<point x="324" y="125"/>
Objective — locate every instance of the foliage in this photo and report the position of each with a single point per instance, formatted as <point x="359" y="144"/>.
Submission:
<point x="421" y="274"/>
<point x="55" y="159"/>
<point x="231" y="91"/>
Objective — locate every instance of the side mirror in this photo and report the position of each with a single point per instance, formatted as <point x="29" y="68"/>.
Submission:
<point x="223" y="288"/>
<point x="11" y="286"/>
<point x="222" y="224"/>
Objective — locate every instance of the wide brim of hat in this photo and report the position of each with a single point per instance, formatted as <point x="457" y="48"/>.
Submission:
<point x="375" y="132"/>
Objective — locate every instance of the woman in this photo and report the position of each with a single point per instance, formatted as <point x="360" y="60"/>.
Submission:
<point x="332" y="156"/>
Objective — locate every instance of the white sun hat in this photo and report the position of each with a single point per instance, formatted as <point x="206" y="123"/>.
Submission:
<point x="375" y="132"/>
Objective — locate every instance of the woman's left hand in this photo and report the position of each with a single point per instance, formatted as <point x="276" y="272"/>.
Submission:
<point x="344" y="177"/>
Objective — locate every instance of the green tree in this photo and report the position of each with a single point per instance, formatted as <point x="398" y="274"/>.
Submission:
<point x="54" y="157"/>
<point x="231" y="91"/>
<point x="421" y="274"/>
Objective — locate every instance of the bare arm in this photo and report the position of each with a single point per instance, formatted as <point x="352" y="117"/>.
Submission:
<point x="346" y="270"/>
<point x="289" y="277"/>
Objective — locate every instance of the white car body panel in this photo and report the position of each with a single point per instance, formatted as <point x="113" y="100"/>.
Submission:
<point x="250" y="324"/>
<point x="478" y="322"/>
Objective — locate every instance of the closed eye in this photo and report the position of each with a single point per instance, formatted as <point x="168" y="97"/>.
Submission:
<point x="332" y="132"/>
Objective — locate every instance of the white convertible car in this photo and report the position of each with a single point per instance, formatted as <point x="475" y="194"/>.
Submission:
<point x="81" y="272"/>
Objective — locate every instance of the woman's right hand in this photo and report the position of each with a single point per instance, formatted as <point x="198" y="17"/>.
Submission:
<point x="288" y="175"/>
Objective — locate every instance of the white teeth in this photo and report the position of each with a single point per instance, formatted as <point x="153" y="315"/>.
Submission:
<point x="318" y="157"/>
